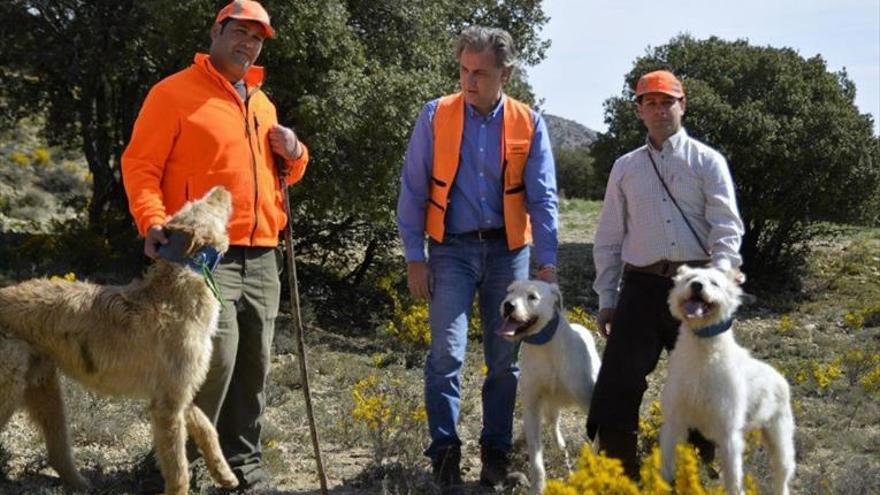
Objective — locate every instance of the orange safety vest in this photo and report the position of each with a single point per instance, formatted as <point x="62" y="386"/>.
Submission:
<point x="516" y="140"/>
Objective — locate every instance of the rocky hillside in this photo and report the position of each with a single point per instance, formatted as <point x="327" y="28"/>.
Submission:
<point x="568" y="134"/>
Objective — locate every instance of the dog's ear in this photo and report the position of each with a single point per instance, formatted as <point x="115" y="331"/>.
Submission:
<point x="682" y="270"/>
<point x="737" y="276"/>
<point x="554" y="289"/>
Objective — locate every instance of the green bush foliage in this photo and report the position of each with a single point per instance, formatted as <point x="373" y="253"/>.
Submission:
<point x="350" y="75"/>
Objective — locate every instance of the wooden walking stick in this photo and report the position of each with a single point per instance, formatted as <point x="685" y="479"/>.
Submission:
<point x="298" y="324"/>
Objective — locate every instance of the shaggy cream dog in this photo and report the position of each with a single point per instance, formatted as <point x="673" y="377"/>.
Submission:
<point x="559" y="363"/>
<point x="149" y="340"/>
<point x="715" y="386"/>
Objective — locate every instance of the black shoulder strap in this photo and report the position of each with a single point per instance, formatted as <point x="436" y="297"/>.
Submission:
<point x="668" y="192"/>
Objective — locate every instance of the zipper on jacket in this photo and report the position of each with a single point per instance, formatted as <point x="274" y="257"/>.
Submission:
<point x="247" y="131"/>
<point x="257" y="133"/>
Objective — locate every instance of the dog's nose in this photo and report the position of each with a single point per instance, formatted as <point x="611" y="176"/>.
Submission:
<point x="507" y="308"/>
<point x="697" y="287"/>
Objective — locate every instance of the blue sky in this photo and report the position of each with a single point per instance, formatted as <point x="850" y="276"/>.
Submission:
<point x="596" y="42"/>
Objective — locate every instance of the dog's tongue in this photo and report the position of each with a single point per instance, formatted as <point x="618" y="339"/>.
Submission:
<point x="508" y="328"/>
<point x="694" y="308"/>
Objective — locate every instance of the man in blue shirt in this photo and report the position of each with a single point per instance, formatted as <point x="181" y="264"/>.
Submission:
<point x="480" y="180"/>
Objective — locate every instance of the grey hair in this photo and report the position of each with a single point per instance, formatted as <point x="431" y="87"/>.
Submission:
<point x="479" y="38"/>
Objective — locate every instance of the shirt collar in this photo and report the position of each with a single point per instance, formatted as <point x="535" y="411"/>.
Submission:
<point x="674" y="142"/>
<point x="472" y="113"/>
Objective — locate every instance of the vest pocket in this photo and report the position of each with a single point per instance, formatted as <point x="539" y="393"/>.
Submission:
<point x="516" y="189"/>
<point x="515" y="147"/>
<point x="435" y="204"/>
<point x="438" y="181"/>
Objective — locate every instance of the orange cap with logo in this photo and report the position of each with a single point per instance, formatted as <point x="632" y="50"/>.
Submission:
<point x="660" y="81"/>
<point x="246" y="10"/>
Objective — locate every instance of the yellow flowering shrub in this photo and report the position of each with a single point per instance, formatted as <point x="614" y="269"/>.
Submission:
<point x="69" y="276"/>
<point x="408" y="325"/>
<point x="580" y="316"/>
<point x="870" y="381"/>
<point x="20" y="158"/>
<point x="41" y="156"/>
<point x="862" y="317"/>
<point x="392" y="415"/>
<point x="785" y="324"/>
<point x="599" y="475"/>
<point x="826" y="373"/>
<point x="649" y="428"/>
<point x="595" y="475"/>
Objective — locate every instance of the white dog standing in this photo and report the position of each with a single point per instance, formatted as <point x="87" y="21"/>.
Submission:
<point x="559" y="363"/>
<point x="715" y="386"/>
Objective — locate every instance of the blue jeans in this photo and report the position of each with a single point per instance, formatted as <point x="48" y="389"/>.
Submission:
<point x="462" y="268"/>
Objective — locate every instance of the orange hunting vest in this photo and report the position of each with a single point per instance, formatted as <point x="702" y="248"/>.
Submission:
<point x="518" y="129"/>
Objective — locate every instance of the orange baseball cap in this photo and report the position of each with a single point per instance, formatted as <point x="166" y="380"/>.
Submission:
<point x="246" y="10"/>
<point x="660" y="81"/>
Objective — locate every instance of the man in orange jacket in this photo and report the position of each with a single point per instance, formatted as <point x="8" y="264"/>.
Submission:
<point x="208" y="125"/>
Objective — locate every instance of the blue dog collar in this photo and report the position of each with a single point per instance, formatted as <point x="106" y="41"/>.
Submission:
<point x="174" y="251"/>
<point x="203" y="262"/>
<point x="716" y="329"/>
<point x="546" y="333"/>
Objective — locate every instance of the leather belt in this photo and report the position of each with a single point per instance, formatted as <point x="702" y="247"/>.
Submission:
<point x="482" y="235"/>
<point x="663" y="268"/>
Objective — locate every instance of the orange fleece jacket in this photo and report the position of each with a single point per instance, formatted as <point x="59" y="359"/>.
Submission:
<point x="194" y="132"/>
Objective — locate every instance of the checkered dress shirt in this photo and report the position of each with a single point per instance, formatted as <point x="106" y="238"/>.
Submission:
<point x="640" y="225"/>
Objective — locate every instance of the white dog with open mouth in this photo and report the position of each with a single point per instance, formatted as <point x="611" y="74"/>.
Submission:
<point x="715" y="386"/>
<point x="559" y="363"/>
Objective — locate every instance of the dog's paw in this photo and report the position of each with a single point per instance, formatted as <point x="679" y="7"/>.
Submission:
<point x="227" y="480"/>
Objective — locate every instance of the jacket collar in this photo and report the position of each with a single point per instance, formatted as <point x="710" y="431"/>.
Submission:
<point x="253" y="78"/>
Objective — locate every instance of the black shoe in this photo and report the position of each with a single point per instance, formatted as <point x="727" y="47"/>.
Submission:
<point x="447" y="470"/>
<point x="496" y="471"/>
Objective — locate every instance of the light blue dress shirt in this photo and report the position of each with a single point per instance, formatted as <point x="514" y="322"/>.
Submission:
<point x="476" y="200"/>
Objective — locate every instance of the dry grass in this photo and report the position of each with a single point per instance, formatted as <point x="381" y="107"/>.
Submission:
<point x="838" y="426"/>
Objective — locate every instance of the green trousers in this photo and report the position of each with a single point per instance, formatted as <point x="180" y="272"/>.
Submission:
<point x="233" y="395"/>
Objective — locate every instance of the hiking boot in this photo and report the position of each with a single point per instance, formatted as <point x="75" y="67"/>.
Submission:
<point x="447" y="470"/>
<point x="496" y="471"/>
